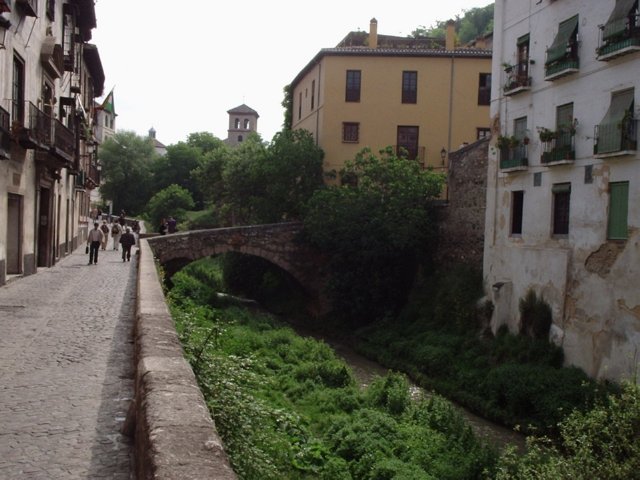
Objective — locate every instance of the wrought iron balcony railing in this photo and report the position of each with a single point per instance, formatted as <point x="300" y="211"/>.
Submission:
<point x="618" y="39"/>
<point x="560" y="149"/>
<point x="615" y="139"/>
<point x="518" y="79"/>
<point x="562" y="68"/>
<point x="514" y="157"/>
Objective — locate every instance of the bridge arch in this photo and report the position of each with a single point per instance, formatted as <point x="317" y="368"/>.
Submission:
<point x="277" y="243"/>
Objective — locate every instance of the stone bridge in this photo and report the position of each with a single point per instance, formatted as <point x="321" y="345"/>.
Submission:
<point x="278" y="243"/>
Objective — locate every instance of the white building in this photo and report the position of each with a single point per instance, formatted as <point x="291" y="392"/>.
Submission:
<point x="49" y="77"/>
<point x="563" y="204"/>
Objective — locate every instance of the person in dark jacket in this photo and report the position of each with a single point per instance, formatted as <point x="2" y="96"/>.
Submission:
<point x="127" y="240"/>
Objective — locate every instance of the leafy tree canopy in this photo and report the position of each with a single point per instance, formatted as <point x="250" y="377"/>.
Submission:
<point x="173" y="200"/>
<point x="471" y="25"/>
<point x="374" y="226"/>
<point x="127" y="161"/>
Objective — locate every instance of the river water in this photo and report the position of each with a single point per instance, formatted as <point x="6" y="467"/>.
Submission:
<point x="366" y="370"/>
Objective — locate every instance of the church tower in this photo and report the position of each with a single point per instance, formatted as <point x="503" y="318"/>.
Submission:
<point x="242" y="121"/>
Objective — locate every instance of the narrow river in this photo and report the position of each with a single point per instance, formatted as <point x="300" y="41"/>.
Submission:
<point x="366" y="370"/>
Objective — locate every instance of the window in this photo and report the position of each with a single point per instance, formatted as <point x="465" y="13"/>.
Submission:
<point x="239" y="138"/>
<point x="564" y="125"/>
<point x="618" y="209"/>
<point x="616" y="131"/>
<point x="537" y="179"/>
<point x="237" y="123"/>
<point x="588" y="174"/>
<point x="350" y="132"/>
<point x="407" y="142"/>
<point x="17" y="90"/>
<point x="409" y="87"/>
<point x="247" y="124"/>
<point x="68" y="36"/>
<point x="300" y="106"/>
<point x="517" y="204"/>
<point x="51" y="9"/>
<point x="484" y="89"/>
<point x="563" y="52"/>
<point x="313" y="94"/>
<point x="482" y="133"/>
<point x="353" y="86"/>
<point x="523" y="57"/>
<point x="561" y="200"/>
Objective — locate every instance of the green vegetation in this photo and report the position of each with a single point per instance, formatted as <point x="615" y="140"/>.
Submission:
<point x="173" y="200"/>
<point x="439" y="341"/>
<point x="287" y="408"/>
<point x="472" y="24"/>
<point x="376" y="227"/>
<point x="601" y="443"/>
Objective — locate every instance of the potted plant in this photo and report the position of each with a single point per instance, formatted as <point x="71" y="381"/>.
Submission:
<point x="513" y="141"/>
<point x="502" y="141"/>
<point x="525" y="140"/>
<point x="546" y="135"/>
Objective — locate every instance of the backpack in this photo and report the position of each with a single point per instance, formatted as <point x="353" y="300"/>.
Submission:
<point x="104" y="228"/>
<point x="115" y="230"/>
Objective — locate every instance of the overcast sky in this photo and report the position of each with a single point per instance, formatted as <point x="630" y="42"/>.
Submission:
<point x="178" y="66"/>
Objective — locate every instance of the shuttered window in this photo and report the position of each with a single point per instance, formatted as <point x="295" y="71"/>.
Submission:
<point x="617" y="22"/>
<point x="560" y="46"/>
<point x="618" y="209"/>
<point x="561" y="202"/>
<point x="610" y="129"/>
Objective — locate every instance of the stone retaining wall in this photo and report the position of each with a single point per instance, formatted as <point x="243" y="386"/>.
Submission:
<point x="175" y="437"/>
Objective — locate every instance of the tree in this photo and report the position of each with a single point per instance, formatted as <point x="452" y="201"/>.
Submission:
<point x="127" y="161"/>
<point x="374" y="228"/>
<point x="471" y="25"/>
<point x="262" y="183"/>
<point x="176" y="167"/>
<point x="171" y="201"/>
<point x="287" y="104"/>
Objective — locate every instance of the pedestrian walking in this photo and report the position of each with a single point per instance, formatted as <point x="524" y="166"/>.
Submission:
<point x="127" y="240"/>
<point x="116" y="232"/>
<point x="105" y="234"/>
<point x="94" y="240"/>
<point x="122" y="219"/>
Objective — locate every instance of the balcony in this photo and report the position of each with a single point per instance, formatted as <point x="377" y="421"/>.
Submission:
<point x="93" y="177"/>
<point x="561" y="68"/>
<point x="63" y="146"/>
<point x="36" y="133"/>
<point x="5" y="133"/>
<point x="613" y="44"/>
<point x="558" y="147"/>
<point x="55" y="143"/>
<point x="616" y="140"/>
<point x="518" y="79"/>
<point x="514" y="153"/>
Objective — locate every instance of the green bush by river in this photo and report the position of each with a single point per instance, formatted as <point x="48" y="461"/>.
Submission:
<point x="287" y="408"/>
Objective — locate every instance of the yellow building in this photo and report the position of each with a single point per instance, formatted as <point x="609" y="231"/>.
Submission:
<point x="378" y="90"/>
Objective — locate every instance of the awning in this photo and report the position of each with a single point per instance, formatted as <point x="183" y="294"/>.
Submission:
<point x="610" y="129"/>
<point x="558" y="48"/>
<point x="561" y="188"/>
<point x="523" y="39"/>
<point x="617" y="22"/>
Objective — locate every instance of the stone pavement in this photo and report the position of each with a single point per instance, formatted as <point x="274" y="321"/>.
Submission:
<point x="66" y="370"/>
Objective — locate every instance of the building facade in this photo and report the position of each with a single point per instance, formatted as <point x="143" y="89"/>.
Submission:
<point x="563" y="194"/>
<point x="422" y="96"/>
<point x="49" y="77"/>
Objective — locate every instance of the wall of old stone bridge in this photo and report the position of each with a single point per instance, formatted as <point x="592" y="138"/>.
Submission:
<point x="462" y="220"/>
<point x="278" y="243"/>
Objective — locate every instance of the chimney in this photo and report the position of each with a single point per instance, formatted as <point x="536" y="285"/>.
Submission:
<point x="373" y="33"/>
<point x="450" y="38"/>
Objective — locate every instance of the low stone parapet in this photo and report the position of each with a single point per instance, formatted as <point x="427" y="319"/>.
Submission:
<point x="175" y="437"/>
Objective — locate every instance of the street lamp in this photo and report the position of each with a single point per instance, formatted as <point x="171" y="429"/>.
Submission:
<point x="443" y="155"/>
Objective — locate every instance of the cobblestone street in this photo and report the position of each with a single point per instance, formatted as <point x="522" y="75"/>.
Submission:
<point x="66" y="370"/>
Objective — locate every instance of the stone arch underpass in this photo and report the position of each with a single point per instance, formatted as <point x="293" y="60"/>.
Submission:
<point x="278" y="243"/>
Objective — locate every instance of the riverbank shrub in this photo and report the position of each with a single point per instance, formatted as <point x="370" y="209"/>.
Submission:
<point x="440" y="341"/>
<point x="287" y="408"/>
<point x="599" y="443"/>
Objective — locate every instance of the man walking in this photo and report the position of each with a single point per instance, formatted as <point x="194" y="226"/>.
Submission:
<point x="116" y="231"/>
<point x="127" y="240"/>
<point x="94" y="239"/>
